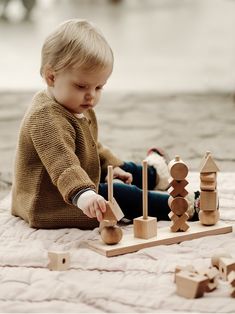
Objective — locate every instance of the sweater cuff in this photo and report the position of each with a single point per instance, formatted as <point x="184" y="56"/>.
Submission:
<point x="75" y="197"/>
<point x="73" y="180"/>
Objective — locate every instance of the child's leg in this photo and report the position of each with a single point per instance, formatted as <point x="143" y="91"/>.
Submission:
<point x="136" y="171"/>
<point x="129" y="198"/>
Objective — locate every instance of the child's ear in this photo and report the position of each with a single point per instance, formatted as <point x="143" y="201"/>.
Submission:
<point x="49" y="76"/>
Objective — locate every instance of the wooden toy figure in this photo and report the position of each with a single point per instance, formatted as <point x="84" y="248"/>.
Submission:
<point x="209" y="212"/>
<point x="145" y="227"/>
<point x="110" y="232"/>
<point x="177" y="202"/>
<point x="58" y="260"/>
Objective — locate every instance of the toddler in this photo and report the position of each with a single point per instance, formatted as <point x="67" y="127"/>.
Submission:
<point x="60" y="166"/>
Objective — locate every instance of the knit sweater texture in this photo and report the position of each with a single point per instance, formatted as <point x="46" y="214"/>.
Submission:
<point x="57" y="155"/>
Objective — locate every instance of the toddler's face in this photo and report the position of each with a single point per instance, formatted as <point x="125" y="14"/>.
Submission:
<point x="78" y="90"/>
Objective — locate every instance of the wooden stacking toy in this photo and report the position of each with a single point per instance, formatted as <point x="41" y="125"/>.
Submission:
<point x="209" y="211"/>
<point x="177" y="202"/>
<point x="145" y="227"/>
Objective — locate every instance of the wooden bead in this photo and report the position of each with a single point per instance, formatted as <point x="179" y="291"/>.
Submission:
<point x="178" y="169"/>
<point x="178" y="205"/>
<point x="208" y="218"/>
<point x="111" y="234"/>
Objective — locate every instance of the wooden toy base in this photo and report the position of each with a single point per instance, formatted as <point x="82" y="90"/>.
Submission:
<point x="130" y="244"/>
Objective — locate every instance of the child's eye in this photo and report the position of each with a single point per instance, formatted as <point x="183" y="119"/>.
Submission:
<point x="99" y="87"/>
<point x="81" y="86"/>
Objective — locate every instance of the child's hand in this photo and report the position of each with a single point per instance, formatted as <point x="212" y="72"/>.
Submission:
<point x="92" y="204"/>
<point x="119" y="173"/>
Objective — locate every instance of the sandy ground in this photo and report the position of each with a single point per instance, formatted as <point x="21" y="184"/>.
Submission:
<point x="187" y="125"/>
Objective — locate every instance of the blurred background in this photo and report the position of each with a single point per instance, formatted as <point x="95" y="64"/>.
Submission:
<point x="172" y="84"/>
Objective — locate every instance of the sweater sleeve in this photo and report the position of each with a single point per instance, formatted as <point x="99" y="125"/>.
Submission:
<point x="53" y="138"/>
<point x="107" y="158"/>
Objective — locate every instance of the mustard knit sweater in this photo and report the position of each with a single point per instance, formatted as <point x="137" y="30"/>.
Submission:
<point x="57" y="155"/>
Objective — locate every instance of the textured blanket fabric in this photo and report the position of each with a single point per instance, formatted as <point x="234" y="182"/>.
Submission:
<point x="136" y="282"/>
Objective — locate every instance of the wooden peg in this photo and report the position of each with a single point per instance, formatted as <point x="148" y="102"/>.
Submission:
<point x="145" y="227"/>
<point x="145" y="189"/>
<point x="59" y="260"/>
<point x="113" y="211"/>
<point x="110" y="184"/>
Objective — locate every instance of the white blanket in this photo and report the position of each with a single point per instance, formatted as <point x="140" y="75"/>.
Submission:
<point x="136" y="282"/>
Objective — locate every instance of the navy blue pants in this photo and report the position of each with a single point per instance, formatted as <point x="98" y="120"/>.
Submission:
<point x="130" y="197"/>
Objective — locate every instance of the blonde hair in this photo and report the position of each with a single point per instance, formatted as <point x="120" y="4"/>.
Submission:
<point x="76" y="42"/>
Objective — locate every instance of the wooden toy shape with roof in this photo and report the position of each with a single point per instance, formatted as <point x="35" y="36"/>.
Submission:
<point x="209" y="212"/>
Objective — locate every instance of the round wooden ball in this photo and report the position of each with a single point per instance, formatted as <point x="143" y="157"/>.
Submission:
<point x="111" y="234"/>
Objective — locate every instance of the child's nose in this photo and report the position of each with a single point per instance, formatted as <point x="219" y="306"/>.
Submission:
<point x="90" y="95"/>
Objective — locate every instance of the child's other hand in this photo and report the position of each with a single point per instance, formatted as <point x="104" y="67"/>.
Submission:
<point x="119" y="173"/>
<point x="92" y="204"/>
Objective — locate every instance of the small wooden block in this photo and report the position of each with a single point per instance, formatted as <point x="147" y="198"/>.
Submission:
<point x="177" y="188"/>
<point x="209" y="200"/>
<point x="178" y="205"/>
<point x="58" y="260"/>
<point x="190" y="285"/>
<point x="208" y="177"/>
<point x="226" y="265"/>
<point x="231" y="278"/>
<point x="113" y="211"/>
<point x="209" y="218"/>
<point x="208" y="186"/>
<point x="145" y="228"/>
